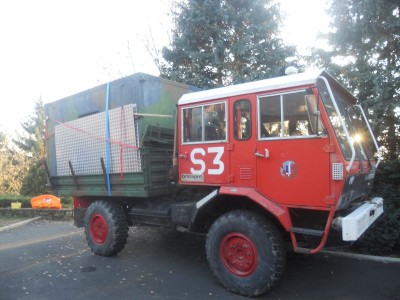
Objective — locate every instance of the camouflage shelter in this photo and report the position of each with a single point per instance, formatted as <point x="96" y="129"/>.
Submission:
<point x="103" y="134"/>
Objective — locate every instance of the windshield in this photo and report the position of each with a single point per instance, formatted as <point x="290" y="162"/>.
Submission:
<point x="362" y="137"/>
<point x="348" y="123"/>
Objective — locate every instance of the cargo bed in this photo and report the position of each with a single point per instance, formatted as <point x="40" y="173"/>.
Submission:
<point x="115" y="139"/>
<point x="156" y="160"/>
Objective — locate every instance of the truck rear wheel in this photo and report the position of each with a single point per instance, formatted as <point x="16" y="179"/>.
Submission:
<point x="245" y="252"/>
<point x="106" y="228"/>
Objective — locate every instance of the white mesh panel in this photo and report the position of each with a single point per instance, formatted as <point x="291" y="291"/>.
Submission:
<point x="337" y="171"/>
<point x="83" y="142"/>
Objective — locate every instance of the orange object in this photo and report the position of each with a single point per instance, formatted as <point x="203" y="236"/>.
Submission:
<point x="46" y="201"/>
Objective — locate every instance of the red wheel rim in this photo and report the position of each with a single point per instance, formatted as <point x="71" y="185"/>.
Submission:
<point x="98" y="228"/>
<point x="238" y="254"/>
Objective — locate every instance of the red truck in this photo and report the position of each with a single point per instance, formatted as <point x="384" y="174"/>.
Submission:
<point x="260" y="168"/>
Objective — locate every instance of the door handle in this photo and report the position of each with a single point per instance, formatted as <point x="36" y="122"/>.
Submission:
<point x="266" y="155"/>
<point x="258" y="154"/>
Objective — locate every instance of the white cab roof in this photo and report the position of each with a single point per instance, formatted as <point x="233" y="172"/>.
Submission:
<point x="251" y="87"/>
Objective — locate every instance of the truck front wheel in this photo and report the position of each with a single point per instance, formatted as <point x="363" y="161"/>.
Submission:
<point x="106" y="228"/>
<point x="245" y="252"/>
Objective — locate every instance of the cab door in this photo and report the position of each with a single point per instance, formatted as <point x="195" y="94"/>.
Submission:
<point x="203" y="150"/>
<point x="243" y="140"/>
<point x="291" y="157"/>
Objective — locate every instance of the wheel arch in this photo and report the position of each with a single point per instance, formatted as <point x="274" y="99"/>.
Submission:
<point x="222" y="202"/>
<point x="82" y="203"/>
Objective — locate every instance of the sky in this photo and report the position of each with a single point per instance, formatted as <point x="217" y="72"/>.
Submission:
<point x="52" y="49"/>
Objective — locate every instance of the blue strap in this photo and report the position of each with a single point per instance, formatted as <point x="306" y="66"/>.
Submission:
<point x="108" y="142"/>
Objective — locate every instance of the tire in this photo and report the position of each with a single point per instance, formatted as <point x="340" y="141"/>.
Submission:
<point x="245" y="252"/>
<point x="106" y="228"/>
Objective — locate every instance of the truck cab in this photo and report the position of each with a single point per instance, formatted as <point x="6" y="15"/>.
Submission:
<point x="299" y="146"/>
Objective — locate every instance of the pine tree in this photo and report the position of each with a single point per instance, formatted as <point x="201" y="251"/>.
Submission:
<point x="218" y="43"/>
<point x="13" y="165"/>
<point x="32" y="143"/>
<point x="366" y="34"/>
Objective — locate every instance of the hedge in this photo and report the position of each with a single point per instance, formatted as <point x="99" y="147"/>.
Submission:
<point x="384" y="236"/>
<point x="6" y="200"/>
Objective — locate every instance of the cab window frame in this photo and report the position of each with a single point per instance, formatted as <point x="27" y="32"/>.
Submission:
<point x="242" y="125"/>
<point x="284" y="120"/>
<point x="188" y="132"/>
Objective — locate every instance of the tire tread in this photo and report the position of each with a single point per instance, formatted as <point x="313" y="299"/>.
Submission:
<point x="259" y="225"/>
<point x="119" y="235"/>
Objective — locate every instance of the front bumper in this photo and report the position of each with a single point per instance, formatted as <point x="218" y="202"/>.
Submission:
<point x="357" y="222"/>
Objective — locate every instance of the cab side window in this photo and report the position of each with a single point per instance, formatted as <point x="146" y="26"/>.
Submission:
<point x="204" y="123"/>
<point x="192" y="119"/>
<point x="270" y="117"/>
<point x="242" y="119"/>
<point x="284" y="115"/>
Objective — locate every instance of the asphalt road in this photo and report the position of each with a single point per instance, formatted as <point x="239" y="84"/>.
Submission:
<point x="50" y="260"/>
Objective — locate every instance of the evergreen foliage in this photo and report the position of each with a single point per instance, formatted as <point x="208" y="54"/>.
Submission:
<point x="218" y="43"/>
<point x="14" y="166"/>
<point x="384" y="236"/>
<point x="365" y="37"/>
<point x="32" y="144"/>
<point x="365" y="40"/>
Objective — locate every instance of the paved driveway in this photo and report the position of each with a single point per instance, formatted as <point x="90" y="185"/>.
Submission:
<point x="50" y="260"/>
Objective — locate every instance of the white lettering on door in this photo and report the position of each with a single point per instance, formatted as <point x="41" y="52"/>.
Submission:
<point x="217" y="160"/>
<point x="197" y="161"/>
<point x="218" y="166"/>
